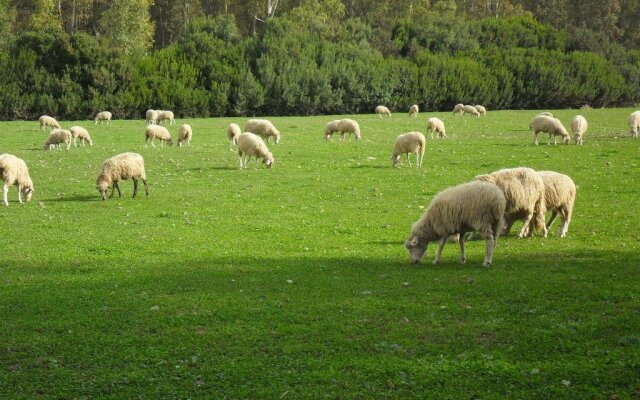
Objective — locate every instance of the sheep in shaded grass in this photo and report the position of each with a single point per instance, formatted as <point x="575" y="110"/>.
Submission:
<point x="233" y="132"/>
<point x="481" y="109"/>
<point x="343" y="126"/>
<point x="550" y="125"/>
<point x="121" y="167"/>
<point x="47" y="121"/>
<point x="407" y="143"/>
<point x="559" y="195"/>
<point x="185" y="134"/>
<point x="56" y="138"/>
<point x="579" y="127"/>
<point x="78" y="132"/>
<point x="474" y="206"/>
<point x="157" y="132"/>
<point x="436" y="125"/>
<point x="151" y="117"/>
<point x="103" y="116"/>
<point x="14" y="172"/>
<point x="382" y="110"/>
<point x="264" y="128"/>
<point x="413" y="110"/>
<point x="634" y="123"/>
<point x="251" y="145"/>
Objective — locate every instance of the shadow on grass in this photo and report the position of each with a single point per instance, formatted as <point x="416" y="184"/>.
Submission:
<point x="76" y="198"/>
<point x="372" y="166"/>
<point x="218" y="168"/>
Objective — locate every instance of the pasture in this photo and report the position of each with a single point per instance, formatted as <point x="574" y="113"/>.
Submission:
<point x="294" y="282"/>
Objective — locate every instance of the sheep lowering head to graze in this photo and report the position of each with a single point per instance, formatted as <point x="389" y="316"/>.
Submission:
<point x="164" y="115"/>
<point x="382" y="110"/>
<point x="458" y="109"/>
<point x="78" y="132"/>
<point x="233" y="133"/>
<point x="330" y="128"/>
<point x="250" y="145"/>
<point x="264" y="128"/>
<point x="343" y="126"/>
<point x="121" y="167"/>
<point x="157" y="132"/>
<point x="436" y="125"/>
<point x="47" y="121"/>
<point x="14" y="172"/>
<point x="550" y="125"/>
<point x="474" y="206"/>
<point x="413" y="110"/>
<point x="151" y="117"/>
<point x="559" y="195"/>
<point x="103" y="116"/>
<point x="481" y="110"/>
<point x="470" y="110"/>
<point x="57" y="137"/>
<point x="407" y="143"/>
<point x="634" y="123"/>
<point x="185" y="134"/>
<point x="579" y="127"/>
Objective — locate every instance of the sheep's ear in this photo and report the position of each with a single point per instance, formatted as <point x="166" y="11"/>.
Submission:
<point x="413" y="241"/>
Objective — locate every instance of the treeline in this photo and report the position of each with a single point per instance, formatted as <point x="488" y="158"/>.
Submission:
<point x="313" y="59"/>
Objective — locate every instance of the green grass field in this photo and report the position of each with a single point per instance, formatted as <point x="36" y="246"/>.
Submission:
<point x="294" y="282"/>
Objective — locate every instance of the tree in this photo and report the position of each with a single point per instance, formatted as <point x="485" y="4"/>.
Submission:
<point x="126" y="26"/>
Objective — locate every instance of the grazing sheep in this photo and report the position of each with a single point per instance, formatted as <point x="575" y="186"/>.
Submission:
<point x="157" y="132"/>
<point x="481" y="110"/>
<point x="57" y="137"/>
<point x="164" y="115"/>
<point x="151" y="116"/>
<point x="103" y="116"/>
<point x="343" y="126"/>
<point x="233" y="132"/>
<point x="382" y="110"/>
<point x="436" y="125"/>
<point x="264" y="128"/>
<point x="458" y="109"/>
<point x="121" y="167"/>
<point x="470" y="110"/>
<point x="473" y="206"/>
<point x="78" y="132"/>
<point x="550" y="125"/>
<point x="524" y="191"/>
<point x="407" y="143"/>
<point x="184" y="134"/>
<point x="413" y="110"/>
<point x="579" y="127"/>
<point x="546" y="113"/>
<point x="14" y="171"/>
<point x="249" y="145"/>
<point x="51" y="122"/>
<point x="634" y="123"/>
<point x="559" y="195"/>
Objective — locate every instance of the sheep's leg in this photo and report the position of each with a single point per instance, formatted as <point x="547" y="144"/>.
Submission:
<point x="409" y="159"/>
<point x="492" y="240"/>
<point x="535" y="138"/>
<point x="118" y="187"/>
<point x="135" y="186"/>
<point x="146" y="187"/>
<point x="439" y="252"/>
<point x="20" y="194"/>
<point x="523" y="231"/>
<point x="566" y="219"/>
<point x="463" y="256"/>
<point x="554" y="215"/>
<point x="5" y="194"/>
<point x="75" y="143"/>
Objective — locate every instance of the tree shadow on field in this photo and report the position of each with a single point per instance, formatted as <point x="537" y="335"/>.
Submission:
<point x="216" y="168"/>
<point x="371" y="166"/>
<point x="75" y="198"/>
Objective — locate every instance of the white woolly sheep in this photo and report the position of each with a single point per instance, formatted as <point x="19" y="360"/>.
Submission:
<point x="546" y="113"/>
<point x="473" y="206"/>
<point x="481" y="109"/>
<point x="436" y="125"/>
<point x="579" y="127"/>
<point x="458" y="109"/>
<point x="407" y="143"/>
<point x="151" y="116"/>
<point x="103" y="116"/>
<point x="264" y="128"/>
<point x="559" y="195"/>
<point x="157" y="132"/>
<point x="634" y="123"/>
<point x="382" y="110"/>
<point x="57" y="137"/>
<point x="233" y="132"/>
<point x="164" y="115"/>
<point x="121" y="167"/>
<point x="51" y="122"/>
<point x="343" y="126"/>
<point x="184" y="134"/>
<point x="470" y="110"/>
<point x="14" y="171"/>
<point x="413" y="110"/>
<point x="249" y="145"/>
<point x="78" y="132"/>
<point x="550" y="125"/>
<point x="524" y="191"/>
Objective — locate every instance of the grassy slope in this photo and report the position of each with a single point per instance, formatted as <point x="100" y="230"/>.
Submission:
<point x="294" y="282"/>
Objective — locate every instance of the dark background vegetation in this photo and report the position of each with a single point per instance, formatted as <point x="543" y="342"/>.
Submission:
<point x="72" y="58"/>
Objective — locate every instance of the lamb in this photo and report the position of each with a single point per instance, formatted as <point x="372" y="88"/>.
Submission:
<point x="470" y="110"/>
<point x="411" y="142"/>
<point x="559" y="195"/>
<point x="413" y="110"/>
<point x="78" y="132"/>
<point x="473" y="206"/>
<point x="164" y="115"/>
<point x="103" y="116"/>
<point x="264" y="128"/>
<point x="57" y="137"/>
<point x="250" y="144"/>
<point x="481" y="109"/>
<point x="51" y="122"/>
<point x="634" y="123"/>
<point x="458" y="109"/>
<point x="579" y="127"/>
<point x="151" y="117"/>
<point x="184" y="134"/>
<point x="157" y="132"/>
<point x="121" y="167"/>
<point x="343" y="126"/>
<point x="233" y="132"/>
<point x="550" y="125"/>
<point x="436" y="125"/>
<point x="382" y="110"/>
<point x="14" y="171"/>
<point x="524" y="191"/>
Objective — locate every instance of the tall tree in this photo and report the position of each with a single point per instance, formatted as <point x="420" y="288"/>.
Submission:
<point x="126" y="25"/>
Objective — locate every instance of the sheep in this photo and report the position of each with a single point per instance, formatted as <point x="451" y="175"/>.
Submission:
<point x="550" y="125"/>
<point x="164" y="115"/>
<point x="78" y="132"/>
<point x="579" y="127"/>
<point x="56" y="137"/>
<point x="524" y="191"/>
<point x="233" y="132"/>
<point x="473" y="206"/>
<point x="157" y="132"/>
<point x="382" y="110"/>
<point x="184" y="134"/>
<point x="51" y="122"/>
<point x="413" y="110"/>
<point x="481" y="109"/>
<point x="103" y="116"/>
<point x="458" y="109"/>
<point x="546" y="113"/>
<point x="151" y="117"/>
<point x="436" y="125"/>
<point x="559" y="195"/>
<point x="250" y="144"/>
<point x="470" y="110"/>
<point x="343" y="126"/>
<point x="634" y="123"/>
<point x="264" y="128"/>
<point x="407" y="143"/>
<point x="121" y="167"/>
<point x="14" y="171"/>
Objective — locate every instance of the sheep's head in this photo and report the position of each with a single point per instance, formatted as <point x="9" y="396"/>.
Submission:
<point x="566" y="139"/>
<point x="27" y="191"/>
<point x="102" y="185"/>
<point x="277" y="137"/>
<point x="170" y="142"/>
<point x="417" y="247"/>
<point x="395" y="159"/>
<point x="268" y="160"/>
